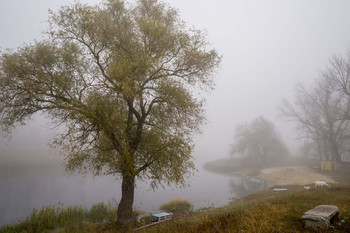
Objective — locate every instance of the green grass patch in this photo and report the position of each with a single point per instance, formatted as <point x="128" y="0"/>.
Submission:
<point x="57" y="216"/>
<point x="176" y="205"/>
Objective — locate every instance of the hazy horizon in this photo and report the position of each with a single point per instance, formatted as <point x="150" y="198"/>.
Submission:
<point x="267" y="47"/>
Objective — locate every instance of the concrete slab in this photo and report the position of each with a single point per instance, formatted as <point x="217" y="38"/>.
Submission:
<point x="321" y="216"/>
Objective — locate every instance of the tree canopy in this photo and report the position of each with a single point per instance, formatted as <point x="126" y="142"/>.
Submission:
<point x="259" y="139"/>
<point x="123" y="80"/>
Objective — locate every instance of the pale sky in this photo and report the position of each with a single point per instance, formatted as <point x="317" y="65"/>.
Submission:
<point x="267" y="46"/>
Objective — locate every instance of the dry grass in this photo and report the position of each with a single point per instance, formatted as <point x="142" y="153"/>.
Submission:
<point x="265" y="212"/>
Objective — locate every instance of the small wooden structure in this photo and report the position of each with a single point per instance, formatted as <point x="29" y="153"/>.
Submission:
<point x="161" y="217"/>
<point x="328" y="165"/>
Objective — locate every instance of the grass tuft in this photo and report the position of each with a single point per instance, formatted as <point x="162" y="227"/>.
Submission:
<point x="176" y="205"/>
<point x="56" y="216"/>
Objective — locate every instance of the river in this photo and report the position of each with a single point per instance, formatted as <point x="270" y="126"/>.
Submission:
<point x="21" y="191"/>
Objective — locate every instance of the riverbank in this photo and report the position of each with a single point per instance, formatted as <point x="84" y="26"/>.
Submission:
<point x="33" y="177"/>
<point x="263" y="211"/>
<point x="258" y="198"/>
<point x="293" y="175"/>
<point x="266" y="211"/>
<point x="294" y="171"/>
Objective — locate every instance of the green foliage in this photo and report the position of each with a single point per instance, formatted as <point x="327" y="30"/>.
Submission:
<point x="112" y="208"/>
<point x="51" y="217"/>
<point x="98" y="212"/>
<point x="124" y="80"/>
<point x="72" y="214"/>
<point x="176" y="205"/>
<point x="121" y="80"/>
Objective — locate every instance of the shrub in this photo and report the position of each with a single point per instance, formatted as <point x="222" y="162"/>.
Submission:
<point x="98" y="212"/>
<point x="70" y="215"/>
<point x="176" y="205"/>
<point x="51" y="217"/>
<point x="112" y="209"/>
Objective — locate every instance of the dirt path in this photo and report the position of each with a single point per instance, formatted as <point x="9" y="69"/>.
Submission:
<point x="293" y="175"/>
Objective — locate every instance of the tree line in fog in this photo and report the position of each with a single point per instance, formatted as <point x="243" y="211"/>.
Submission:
<point x="321" y="112"/>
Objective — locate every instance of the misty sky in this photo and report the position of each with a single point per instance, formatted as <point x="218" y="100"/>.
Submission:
<point x="267" y="46"/>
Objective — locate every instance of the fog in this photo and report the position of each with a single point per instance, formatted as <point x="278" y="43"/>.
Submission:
<point x="267" y="47"/>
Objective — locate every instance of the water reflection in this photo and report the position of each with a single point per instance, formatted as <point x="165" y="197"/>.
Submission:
<point x="241" y="185"/>
<point x="21" y="190"/>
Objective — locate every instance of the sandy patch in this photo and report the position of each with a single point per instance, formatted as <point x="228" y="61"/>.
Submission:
<point x="293" y="175"/>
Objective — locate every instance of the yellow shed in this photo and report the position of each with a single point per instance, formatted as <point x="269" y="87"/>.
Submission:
<point x="328" y="165"/>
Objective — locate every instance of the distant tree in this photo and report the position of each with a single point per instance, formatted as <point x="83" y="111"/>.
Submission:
<point x="338" y="74"/>
<point x="122" y="80"/>
<point x="319" y="113"/>
<point x="308" y="148"/>
<point x="259" y="139"/>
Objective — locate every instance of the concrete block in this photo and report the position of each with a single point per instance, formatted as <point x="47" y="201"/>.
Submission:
<point x="321" y="216"/>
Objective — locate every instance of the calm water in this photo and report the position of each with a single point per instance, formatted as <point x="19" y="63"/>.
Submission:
<point x="19" y="194"/>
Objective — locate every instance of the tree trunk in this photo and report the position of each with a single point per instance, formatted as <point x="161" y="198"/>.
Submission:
<point x="335" y="151"/>
<point x="125" y="213"/>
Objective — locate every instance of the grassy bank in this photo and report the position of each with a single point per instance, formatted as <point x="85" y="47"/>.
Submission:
<point x="264" y="211"/>
<point x="56" y="216"/>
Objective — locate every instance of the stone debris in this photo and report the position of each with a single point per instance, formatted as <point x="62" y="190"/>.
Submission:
<point x="321" y="216"/>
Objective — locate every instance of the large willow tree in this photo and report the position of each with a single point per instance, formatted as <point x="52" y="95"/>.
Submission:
<point x="123" y="80"/>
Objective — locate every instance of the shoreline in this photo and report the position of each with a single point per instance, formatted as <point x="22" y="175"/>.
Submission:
<point x="294" y="173"/>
